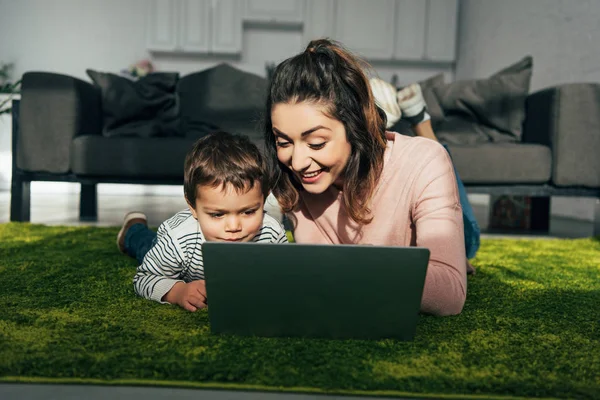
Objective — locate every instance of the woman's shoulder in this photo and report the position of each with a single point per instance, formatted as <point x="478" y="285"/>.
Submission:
<point x="416" y="162"/>
<point x="413" y="150"/>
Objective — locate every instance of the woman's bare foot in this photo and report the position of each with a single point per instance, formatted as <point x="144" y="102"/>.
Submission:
<point x="385" y="98"/>
<point x="414" y="110"/>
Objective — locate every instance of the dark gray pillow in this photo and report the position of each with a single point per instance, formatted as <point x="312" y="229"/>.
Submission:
<point x="433" y="105"/>
<point x="145" y="108"/>
<point x="222" y="97"/>
<point x="497" y="102"/>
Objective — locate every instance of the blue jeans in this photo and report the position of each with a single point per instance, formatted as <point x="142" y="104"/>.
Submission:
<point x="138" y="240"/>
<point x="472" y="231"/>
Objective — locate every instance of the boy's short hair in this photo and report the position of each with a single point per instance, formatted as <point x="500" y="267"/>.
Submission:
<point x="221" y="158"/>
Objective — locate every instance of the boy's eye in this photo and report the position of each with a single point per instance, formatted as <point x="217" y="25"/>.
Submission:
<point x="317" y="146"/>
<point x="215" y="215"/>
<point x="250" y="212"/>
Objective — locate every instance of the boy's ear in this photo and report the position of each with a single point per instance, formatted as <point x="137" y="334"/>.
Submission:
<point x="192" y="209"/>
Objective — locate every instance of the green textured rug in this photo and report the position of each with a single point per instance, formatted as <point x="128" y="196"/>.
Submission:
<point x="530" y="328"/>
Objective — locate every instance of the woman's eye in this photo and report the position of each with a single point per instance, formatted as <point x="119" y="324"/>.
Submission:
<point x="317" y="146"/>
<point x="282" y="144"/>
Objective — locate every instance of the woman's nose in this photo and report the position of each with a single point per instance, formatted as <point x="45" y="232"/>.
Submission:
<point x="300" y="159"/>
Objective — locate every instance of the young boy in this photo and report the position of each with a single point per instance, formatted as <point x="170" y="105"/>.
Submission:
<point x="225" y="185"/>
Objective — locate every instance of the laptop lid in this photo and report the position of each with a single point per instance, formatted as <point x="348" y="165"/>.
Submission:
<point x="303" y="290"/>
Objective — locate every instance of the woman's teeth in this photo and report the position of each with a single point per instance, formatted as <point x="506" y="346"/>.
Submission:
<point x="311" y="174"/>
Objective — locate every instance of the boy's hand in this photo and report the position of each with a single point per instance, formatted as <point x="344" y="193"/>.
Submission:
<point x="190" y="296"/>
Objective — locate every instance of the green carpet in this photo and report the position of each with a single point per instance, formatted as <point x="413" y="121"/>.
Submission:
<point x="530" y="328"/>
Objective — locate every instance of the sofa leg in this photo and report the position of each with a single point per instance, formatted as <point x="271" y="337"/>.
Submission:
<point x="20" y="200"/>
<point x="540" y="214"/>
<point x="88" y="202"/>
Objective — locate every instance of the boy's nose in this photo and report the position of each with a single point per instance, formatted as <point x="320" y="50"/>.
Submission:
<point x="233" y="223"/>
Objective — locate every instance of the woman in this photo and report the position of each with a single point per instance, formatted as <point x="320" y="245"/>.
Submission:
<point x="343" y="179"/>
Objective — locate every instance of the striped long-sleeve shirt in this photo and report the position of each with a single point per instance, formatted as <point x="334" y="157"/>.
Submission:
<point x="177" y="254"/>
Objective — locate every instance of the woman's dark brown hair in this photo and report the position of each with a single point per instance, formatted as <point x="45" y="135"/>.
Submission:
<point x="220" y="159"/>
<point x="329" y="75"/>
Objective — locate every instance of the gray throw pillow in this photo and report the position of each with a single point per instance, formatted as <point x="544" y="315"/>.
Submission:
<point x="144" y="108"/>
<point x="497" y="102"/>
<point x="433" y="105"/>
<point x="222" y="97"/>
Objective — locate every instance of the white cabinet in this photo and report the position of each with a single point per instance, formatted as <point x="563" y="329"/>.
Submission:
<point x="320" y="20"/>
<point x="403" y="30"/>
<point x="409" y="37"/>
<point x="275" y="11"/>
<point x="194" y="26"/>
<point x="227" y="27"/>
<point x="366" y="27"/>
<point x="442" y="16"/>
<point x="161" y="25"/>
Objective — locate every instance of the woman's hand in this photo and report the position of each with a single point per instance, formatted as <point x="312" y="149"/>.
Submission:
<point x="190" y="296"/>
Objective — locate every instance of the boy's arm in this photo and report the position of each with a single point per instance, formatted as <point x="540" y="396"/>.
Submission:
<point x="281" y="237"/>
<point x="161" y="268"/>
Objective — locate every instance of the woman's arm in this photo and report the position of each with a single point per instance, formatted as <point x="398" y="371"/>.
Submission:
<point x="437" y="215"/>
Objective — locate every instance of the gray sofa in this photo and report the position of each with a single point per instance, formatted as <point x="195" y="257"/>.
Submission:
<point x="58" y="136"/>
<point x="61" y="133"/>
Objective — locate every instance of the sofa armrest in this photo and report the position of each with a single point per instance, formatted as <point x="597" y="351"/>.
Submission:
<point x="54" y="109"/>
<point x="567" y="119"/>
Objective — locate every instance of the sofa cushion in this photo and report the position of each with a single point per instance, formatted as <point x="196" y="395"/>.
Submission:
<point x="502" y="163"/>
<point x="129" y="156"/>
<point x="464" y="130"/>
<point x="146" y="107"/>
<point x="497" y="102"/>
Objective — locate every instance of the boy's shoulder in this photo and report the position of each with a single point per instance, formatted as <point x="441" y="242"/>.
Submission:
<point x="270" y="222"/>
<point x="183" y="220"/>
<point x="270" y="231"/>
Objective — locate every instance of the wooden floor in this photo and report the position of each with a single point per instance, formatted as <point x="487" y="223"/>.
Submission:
<point x="63" y="209"/>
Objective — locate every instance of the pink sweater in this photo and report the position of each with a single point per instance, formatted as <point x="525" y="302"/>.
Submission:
<point x="416" y="203"/>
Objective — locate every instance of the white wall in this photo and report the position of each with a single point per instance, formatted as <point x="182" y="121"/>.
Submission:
<point x="70" y="36"/>
<point x="563" y="36"/>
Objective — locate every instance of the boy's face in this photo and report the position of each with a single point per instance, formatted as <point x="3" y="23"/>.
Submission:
<point x="225" y="214"/>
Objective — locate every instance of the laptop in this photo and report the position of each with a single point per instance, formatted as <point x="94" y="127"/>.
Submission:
<point x="317" y="291"/>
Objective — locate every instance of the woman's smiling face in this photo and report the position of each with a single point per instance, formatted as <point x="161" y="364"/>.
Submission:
<point x="311" y="144"/>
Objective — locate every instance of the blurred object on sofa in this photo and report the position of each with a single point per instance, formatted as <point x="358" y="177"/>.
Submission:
<point x="138" y="70"/>
<point x="8" y="88"/>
